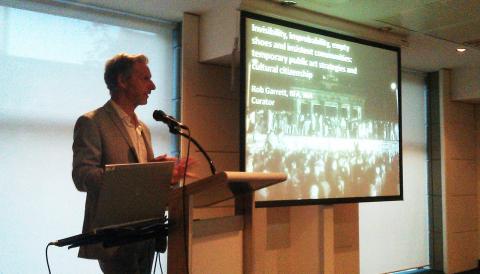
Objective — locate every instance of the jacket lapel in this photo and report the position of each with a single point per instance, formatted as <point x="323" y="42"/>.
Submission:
<point x="112" y="113"/>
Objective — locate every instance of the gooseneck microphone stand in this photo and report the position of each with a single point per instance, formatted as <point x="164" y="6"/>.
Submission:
<point x="176" y="130"/>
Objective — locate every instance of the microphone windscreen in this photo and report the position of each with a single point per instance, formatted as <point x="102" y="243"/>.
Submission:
<point x="158" y="115"/>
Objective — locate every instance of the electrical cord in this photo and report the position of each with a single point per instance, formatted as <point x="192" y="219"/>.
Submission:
<point x="46" y="257"/>
<point x="155" y="263"/>
<point x="157" y="259"/>
<point x="176" y="128"/>
<point x="185" y="232"/>
<point x="160" y="263"/>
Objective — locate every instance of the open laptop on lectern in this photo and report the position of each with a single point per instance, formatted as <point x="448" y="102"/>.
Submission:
<point x="133" y="192"/>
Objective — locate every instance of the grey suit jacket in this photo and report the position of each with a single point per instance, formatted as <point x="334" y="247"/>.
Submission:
<point x="100" y="138"/>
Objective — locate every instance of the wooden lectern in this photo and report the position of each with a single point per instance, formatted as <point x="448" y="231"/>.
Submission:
<point x="206" y="192"/>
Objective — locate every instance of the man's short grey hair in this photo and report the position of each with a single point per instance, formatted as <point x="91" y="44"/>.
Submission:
<point x="121" y="64"/>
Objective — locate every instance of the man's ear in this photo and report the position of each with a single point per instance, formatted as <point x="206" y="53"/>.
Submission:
<point x="121" y="81"/>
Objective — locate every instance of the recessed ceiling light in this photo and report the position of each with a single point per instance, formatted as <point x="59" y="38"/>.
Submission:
<point x="393" y="86"/>
<point x="461" y="49"/>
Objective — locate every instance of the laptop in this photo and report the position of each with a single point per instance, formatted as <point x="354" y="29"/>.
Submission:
<point x="133" y="192"/>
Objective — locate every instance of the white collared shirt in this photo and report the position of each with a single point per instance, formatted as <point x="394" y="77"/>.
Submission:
<point x="135" y="133"/>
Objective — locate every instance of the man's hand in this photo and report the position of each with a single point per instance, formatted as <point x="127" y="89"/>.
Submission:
<point x="179" y="168"/>
<point x="163" y="158"/>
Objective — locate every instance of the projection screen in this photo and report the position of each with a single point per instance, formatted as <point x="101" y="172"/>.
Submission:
<point x="322" y="107"/>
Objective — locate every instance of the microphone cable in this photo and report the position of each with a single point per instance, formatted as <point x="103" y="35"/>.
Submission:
<point x="185" y="222"/>
<point x="176" y="127"/>
<point x="157" y="258"/>
<point x="155" y="263"/>
<point x="46" y="256"/>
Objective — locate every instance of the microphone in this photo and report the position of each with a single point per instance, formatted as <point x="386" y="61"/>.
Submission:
<point x="174" y="126"/>
<point x="161" y="116"/>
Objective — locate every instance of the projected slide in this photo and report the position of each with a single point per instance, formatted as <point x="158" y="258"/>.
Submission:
<point x="324" y="110"/>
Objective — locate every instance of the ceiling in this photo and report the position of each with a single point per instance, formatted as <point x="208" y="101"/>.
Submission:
<point x="435" y="28"/>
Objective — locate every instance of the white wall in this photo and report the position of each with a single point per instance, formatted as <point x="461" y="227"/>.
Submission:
<point x="394" y="235"/>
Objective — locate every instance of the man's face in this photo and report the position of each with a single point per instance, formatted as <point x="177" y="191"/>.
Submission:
<point x="139" y="85"/>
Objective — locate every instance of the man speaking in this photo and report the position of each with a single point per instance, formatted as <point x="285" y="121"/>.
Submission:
<point x="112" y="134"/>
